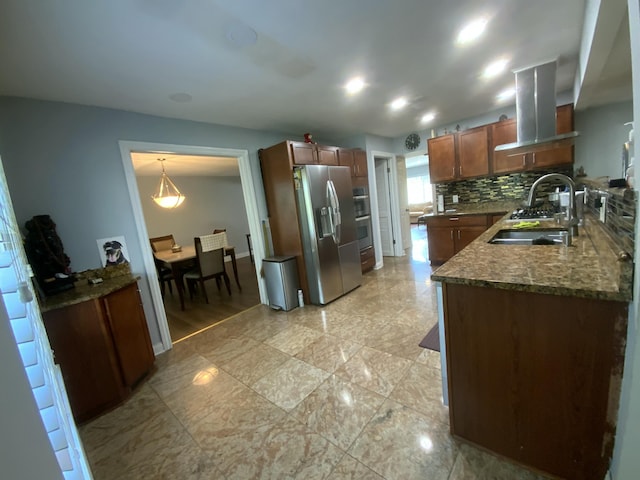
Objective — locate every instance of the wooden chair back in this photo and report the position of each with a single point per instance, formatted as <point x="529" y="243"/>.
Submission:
<point x="159" y="244"/>
<point x="210" y="263"/>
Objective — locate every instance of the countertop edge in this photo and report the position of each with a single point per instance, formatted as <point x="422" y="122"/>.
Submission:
<point x="602" y="258"/>
<point x="83" y="292"/>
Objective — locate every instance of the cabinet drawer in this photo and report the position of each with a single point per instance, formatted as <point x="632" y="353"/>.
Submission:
<point x="457" y="221"/>
<point x="367" y="259"/>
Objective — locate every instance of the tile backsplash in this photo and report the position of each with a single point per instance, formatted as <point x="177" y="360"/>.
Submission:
<point x="514" y="186"/>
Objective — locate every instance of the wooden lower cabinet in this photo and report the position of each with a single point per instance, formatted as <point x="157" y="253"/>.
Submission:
<point x="103" y="349"/>
<point x="447" y="235"/>
<point x="535" y="377"/>
<point x="367" y="259"/>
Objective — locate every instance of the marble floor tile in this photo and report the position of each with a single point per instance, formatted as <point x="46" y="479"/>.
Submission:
<point x="286" y="450"/>
<point x="180" y="374"/>
<point x="399" y="443"/>
<point x="155" y="444"/>
<point x="375" y="370"/>
<point x="209" y="389"/>
<point x="338" y="410"/>
<point x="227" y="350"/>
<point x="289" y="384"/>
<point x="142" y="406"/>
<point x="293" y="339"/>
<point x="351" y="469"/>
<point x="252" y="365"/>
<point x="328" y="352"/>
<point x="430" y="358"/>
<point x="421" y="390"/>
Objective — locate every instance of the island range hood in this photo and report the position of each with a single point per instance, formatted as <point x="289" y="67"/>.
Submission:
<point x="536" y="110"/>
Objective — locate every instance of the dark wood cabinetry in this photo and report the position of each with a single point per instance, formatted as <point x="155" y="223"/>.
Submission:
<point x="103" y="349"/>
<point x="303" y="153"/>
<point x="550" y="155"/>
<point x="449" y="234"/>
<point x="535" y="377"/>
<point x="355" y="159"/>
<point x="457" y="156"/>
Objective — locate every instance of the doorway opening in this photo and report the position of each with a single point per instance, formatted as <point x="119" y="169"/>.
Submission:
<point x="254" y="224"/>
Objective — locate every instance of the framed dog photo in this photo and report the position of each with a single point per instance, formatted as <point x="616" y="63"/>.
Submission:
<point x="113" y="251"/>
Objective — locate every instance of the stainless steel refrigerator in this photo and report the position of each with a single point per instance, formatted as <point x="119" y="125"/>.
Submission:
<point x="328" y="226"/>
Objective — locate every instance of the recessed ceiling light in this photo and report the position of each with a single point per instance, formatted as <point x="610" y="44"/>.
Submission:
<point x="354" y="85"/>
<point x="471" y="31"/>
<point x="495" y="68"/>
<point x="505" y="95"/>
<point x="427" y="117"/>
<point x="240" y="35"/>
<point x="399" y="103"/>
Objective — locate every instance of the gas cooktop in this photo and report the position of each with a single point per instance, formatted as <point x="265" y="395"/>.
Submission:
<point x="528" y="213"/>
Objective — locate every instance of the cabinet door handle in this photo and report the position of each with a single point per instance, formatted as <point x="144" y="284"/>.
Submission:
<point x="534" y="158"/>
<point x="524" y="160"/>
<point x="458" y="234"/>
<point x="453" y="171"/>
<point x="451" y="234"/>
<point x="454" y="219"/>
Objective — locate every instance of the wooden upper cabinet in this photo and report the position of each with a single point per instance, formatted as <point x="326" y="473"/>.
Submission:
<point x="442" y="158"/>
<point x="550" y="155"/>
<point x="360" y="168"/>
<point x="564" y="119"/>
<point x="345" y="159"/>
<point x="355" y="159"/>
<point x="473" y="153"/>
<point x="327" y="155"/>
<point x="303" y="153"/>
<point x="457" y="156"/>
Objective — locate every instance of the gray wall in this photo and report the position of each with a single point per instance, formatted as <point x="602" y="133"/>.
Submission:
<point x="212" y="202"/>
<point x="602" y="132"/>
<point x="64" y="160"/>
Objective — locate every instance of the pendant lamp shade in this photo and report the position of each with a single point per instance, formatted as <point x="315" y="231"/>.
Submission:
<point x="167" y="194"/>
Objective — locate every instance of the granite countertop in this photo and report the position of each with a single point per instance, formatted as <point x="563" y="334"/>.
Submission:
<point x="479" y="208"/>
<point x="112" y="279"/>
<point x="592" y="267"/>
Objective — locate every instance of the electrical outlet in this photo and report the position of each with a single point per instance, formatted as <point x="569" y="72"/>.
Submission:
<point x="455" y="199"/>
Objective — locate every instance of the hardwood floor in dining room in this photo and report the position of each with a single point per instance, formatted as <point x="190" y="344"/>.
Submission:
<point x="198" y="315"/>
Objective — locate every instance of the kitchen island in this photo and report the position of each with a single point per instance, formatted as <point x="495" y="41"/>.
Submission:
<point x="534" y="339"/>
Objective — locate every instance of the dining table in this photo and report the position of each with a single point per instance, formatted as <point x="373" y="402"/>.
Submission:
<point x="179" y="261"/>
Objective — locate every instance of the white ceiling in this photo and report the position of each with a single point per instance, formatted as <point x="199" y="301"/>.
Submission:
<point x="146" y="164"/>
<point x="137" y="55"/>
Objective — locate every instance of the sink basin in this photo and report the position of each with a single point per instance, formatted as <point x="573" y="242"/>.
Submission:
<point x="530" y="237"/>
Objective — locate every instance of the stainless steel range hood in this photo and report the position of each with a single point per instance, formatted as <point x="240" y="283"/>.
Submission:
<point x="536" y="110"/>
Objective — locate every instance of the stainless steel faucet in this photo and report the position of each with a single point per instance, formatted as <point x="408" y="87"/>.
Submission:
<point x="573" y="217"/>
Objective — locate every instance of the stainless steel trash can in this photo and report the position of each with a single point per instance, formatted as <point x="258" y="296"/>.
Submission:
<point x="281" y="276"/>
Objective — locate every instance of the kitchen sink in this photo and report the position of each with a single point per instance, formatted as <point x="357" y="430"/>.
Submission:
<point x="556" y="236"/>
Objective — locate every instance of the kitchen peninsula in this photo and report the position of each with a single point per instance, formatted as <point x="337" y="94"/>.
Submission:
<point x="534" y="341"/>
<point x="99" y="337"/>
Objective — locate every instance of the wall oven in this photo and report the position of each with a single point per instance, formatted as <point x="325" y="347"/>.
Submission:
<point x="363" y="229"/>
<point x="361" y="201"/>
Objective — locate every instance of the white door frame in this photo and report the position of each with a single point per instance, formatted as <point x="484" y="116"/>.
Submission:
<point x="394" y="203"/>
<point x="255" y="228"/>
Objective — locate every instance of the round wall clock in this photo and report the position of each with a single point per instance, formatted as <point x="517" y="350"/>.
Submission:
<point x="412" y="141"/>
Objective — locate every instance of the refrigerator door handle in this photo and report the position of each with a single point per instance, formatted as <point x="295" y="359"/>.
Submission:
<point x="334" y="203"/>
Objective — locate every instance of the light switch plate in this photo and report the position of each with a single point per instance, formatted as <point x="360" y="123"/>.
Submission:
<point x="455" y="199"/>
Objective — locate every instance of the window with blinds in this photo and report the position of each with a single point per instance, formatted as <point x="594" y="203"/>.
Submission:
<point x="26" y="322"/>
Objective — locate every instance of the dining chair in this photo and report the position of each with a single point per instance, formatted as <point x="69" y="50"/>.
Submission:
<point x="165" y="274"/>
<point x="208" y="265"/>
<point x="164" y="242"/>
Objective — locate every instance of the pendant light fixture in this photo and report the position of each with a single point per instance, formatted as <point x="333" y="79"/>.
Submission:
<point x="167" y="194"/>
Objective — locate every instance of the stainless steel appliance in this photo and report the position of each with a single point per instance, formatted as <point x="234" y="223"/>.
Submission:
<point x="363" y="230"/>
<point x="328" y="226"/>
<point x="281" y="277"/>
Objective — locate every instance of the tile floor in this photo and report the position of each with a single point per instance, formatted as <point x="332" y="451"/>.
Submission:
<point x="339" y="392"/>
